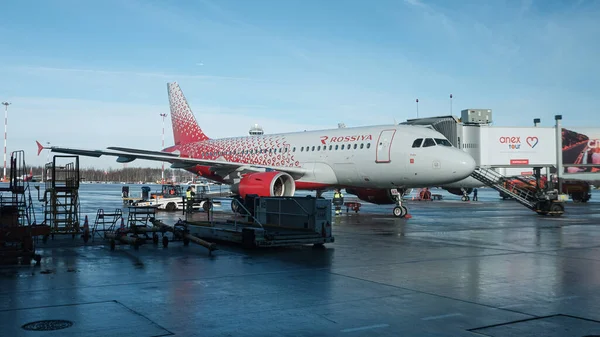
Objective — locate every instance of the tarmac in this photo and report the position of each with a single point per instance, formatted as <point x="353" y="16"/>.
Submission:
<point x="454" y="269"/>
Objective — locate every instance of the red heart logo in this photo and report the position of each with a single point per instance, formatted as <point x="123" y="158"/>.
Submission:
<point x="532" y="141"/>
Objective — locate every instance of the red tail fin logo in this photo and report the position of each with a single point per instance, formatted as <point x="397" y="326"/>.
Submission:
<point x="40" y="147"/>
<point x="185" y="127"/>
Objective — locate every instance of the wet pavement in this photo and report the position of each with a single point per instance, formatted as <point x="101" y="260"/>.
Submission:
<point x="489" y="268"/>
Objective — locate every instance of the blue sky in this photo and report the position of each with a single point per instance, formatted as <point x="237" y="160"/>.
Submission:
<point x="94" y="74"/>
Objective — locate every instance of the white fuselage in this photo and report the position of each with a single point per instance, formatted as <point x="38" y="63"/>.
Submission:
<point x="370" y="157"/>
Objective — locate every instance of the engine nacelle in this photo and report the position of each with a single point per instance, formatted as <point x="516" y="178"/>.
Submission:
<point x="459" y="191"/>
<point x="378" y="196"/>
<point x="265" y="184"/>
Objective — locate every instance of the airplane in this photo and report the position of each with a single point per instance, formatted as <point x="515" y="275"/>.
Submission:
<point x="27" y="177"/>
<point x="372" y="162"/>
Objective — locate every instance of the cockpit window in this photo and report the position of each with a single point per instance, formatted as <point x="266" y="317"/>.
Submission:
<point x="417" y="142"/>
<point x="428" y="142"/>
<point x="443" y="142"/>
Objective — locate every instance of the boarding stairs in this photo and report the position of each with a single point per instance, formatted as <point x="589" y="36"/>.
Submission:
<point x="500" y="183"/>
<point x="61" y="195"/>
<point x="19" y="198"/>
<point x="103" y="219"/>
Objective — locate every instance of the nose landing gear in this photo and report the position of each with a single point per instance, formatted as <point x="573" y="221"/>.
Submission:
<point x="400" y="211"/>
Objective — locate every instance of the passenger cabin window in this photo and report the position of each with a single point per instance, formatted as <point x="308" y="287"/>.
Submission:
<point x="428" y="142"/>
<point x="368" y="145"/>
<point x="417" y="142"/>
<point x="443" y="142"/>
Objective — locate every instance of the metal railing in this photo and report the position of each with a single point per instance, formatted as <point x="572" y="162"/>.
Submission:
<point x="500" y="183"/>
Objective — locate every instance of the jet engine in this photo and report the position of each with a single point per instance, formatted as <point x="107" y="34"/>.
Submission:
<point x="378" y="196"/>
<point x="459" y="191"/>
<point x="265" y="184"/>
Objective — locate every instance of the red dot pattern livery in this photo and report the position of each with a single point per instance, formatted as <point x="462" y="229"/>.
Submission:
<point x="257" y="150"/>
<point x="191" y="141"/>
<point x="185" y="126"/>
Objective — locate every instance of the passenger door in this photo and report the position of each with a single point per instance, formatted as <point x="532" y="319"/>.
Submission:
<point x="384" y="144"/>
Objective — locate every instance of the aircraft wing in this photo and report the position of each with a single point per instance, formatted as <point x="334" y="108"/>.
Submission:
<point x="221" y="167"/>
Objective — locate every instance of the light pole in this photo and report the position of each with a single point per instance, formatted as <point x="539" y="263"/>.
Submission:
<point x="559" y="152"/>
<point x="163" y="115"/>
<point x="6" y="104"/>
<point x="450" y="104"/>
<point x="417" y="108"/>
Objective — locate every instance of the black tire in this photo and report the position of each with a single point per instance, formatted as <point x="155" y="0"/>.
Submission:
<point x="405" y="210"/>
<point x="556" y="207"/>
<point x="186" y="242"/>
<point x="165" y="241"/>
<point x="155" y="238"/>
<point x="398" y="212"/>
<point x="235" y="207"/>
<point x="207" y="206"/>
<point x="171" y="207"/>
<point x="113" y="244"/>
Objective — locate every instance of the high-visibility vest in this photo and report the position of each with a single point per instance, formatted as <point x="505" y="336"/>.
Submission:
<point x="188" y="194"/>
<point x="337" y="198"/>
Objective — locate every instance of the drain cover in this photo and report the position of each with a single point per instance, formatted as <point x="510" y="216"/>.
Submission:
<point x="49" y="325"/>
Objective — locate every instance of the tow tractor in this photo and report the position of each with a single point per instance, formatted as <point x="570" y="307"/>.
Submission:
<point x="172" y="198"/>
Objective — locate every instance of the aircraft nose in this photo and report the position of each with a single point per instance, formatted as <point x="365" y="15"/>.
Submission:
<point x="464" y="164"/>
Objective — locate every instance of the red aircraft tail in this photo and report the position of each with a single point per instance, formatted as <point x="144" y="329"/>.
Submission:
<point x="40" y="147"/>
<point x="185" y="127"/>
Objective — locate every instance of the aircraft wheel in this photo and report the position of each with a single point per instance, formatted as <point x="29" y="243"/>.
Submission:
<point x="405" y="210"/>
<point x="399" y="211"/>
<point x="557" y="208"/>
<point x="170" y="207"/>
<point x="112" y="244"/>
<point x="165" y="241"/>
<point x="155" y="238"/>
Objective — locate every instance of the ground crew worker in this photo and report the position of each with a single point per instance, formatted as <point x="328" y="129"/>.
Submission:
<point x="188" y="199"/>
<point x="474" y="194"/>
<point x="338" y="201"/>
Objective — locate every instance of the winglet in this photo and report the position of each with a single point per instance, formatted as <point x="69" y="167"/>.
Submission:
<point x="40" y="147"/>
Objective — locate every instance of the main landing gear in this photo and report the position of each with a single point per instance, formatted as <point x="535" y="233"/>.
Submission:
<point x="465" y="196"/>
<point x="400" y="211"/>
